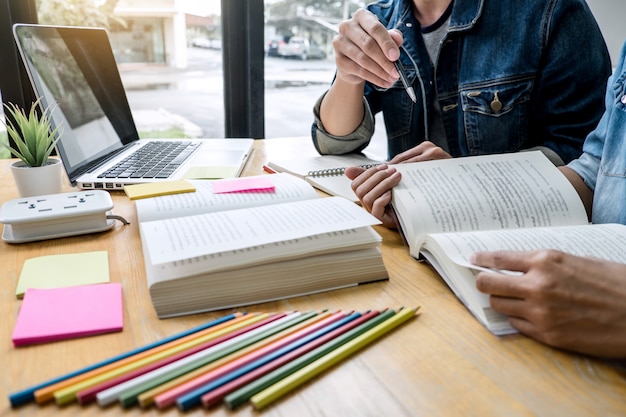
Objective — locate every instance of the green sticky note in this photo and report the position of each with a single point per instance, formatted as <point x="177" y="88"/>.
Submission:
<point x="65" y="270"/>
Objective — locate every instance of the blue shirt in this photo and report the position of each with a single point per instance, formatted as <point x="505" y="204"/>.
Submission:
<point x="603" y="162"/>
<point x="511" y="75"/>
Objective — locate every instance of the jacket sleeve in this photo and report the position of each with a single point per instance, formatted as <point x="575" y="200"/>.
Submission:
<point x="327" y="144"/>
<point x="570" y="88"/>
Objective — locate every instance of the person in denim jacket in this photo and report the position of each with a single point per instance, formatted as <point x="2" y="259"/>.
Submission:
<point x="563" y="300"/>
<point x="497" y="76"/>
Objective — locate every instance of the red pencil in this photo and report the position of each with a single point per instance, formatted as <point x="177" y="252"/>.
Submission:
<point x="269" y="170"/>
<point x="87" y="395"/>
<point x="214" y="397"/>
<point x="167" y="398"/>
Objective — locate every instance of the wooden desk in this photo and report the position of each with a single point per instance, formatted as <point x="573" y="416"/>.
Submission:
<point x="443" y="363"/>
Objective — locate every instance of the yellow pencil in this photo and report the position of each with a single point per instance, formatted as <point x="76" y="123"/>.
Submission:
<point x="68" y="393"/>
<point x="287" y="384"/>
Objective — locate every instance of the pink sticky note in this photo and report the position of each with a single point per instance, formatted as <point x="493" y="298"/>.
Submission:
<point x="69" y="312"/>
<point x="243" y="184"/>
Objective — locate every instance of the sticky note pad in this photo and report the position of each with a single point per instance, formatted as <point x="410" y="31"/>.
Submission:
<point x="64" y="270"/>
<point x="243" y="184"/>
<point x="63" y="313"/>
<point x="155" y="189"/>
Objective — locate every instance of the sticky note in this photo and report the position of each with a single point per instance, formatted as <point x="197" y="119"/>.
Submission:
<point x="243" y="184"/>
<point x="62" y="313"/>
<point x="154" y="189"/>
<point x="64" y="270"/>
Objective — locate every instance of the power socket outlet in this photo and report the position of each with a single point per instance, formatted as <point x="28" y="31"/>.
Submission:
<point x="56" y="215"/>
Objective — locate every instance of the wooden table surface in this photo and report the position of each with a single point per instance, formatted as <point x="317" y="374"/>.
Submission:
<point x="442" y="363"/>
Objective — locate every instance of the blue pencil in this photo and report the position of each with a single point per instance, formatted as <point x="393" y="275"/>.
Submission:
<point x="28" y="395"/>
<point x="193" y="398"/>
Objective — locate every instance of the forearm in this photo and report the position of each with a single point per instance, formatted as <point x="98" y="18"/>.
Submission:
<point x="342" y="111"/>
<point x="584" y="192"/>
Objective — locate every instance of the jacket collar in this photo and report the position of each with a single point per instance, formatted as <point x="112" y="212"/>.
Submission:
<point x="465" y="14"/>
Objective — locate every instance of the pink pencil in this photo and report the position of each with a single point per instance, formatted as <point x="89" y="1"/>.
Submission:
<point x="167" y="398"/>
<point x="213" y="397"/>
<point x="89" y="394"/>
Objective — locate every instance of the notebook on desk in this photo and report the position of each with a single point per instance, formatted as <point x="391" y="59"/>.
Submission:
<point x="74" y="70"/>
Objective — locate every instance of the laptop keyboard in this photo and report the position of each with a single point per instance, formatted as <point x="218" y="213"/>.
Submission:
<point x="153" y="160"/>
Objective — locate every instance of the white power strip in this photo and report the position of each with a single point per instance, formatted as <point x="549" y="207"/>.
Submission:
<point x="56" y="215"/>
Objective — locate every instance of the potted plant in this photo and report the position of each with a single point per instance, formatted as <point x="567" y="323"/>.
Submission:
<point x="36" y="173"/>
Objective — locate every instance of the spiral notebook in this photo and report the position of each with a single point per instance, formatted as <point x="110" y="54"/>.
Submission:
<point x="326" y="173"/>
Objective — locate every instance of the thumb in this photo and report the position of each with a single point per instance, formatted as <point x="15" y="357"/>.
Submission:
<point x="353" y="171"/>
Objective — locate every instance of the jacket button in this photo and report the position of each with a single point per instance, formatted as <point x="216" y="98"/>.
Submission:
<point x="496" y="104"/>
<point x="623" y="100"/>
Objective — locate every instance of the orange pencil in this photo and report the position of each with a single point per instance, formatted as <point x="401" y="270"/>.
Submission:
<point x="169" y="397"/>
<point x="147" y="398"/>
<point x="47" y="393"/>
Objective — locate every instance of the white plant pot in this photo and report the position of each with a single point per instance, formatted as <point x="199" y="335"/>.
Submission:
<point x="34" y="181"/>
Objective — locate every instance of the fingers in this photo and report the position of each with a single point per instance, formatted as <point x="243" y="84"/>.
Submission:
<point x="425" y="151"/>
<point x="365" y="51"/>
<point x="373" y="187"/>
<point x="503" y="260"/>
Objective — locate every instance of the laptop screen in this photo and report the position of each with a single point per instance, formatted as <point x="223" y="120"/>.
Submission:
<point x="74" y="70"/>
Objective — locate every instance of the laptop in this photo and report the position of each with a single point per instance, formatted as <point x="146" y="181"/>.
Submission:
<point x="74" y="70"/>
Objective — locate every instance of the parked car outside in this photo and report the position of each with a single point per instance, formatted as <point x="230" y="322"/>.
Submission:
<point x="301" y="48"/>
<point x="201" y="42"/>
<point x="274" y="44"/>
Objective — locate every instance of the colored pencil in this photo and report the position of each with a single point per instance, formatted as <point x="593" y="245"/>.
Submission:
<point x="127" y="395"/>
<point x="222" y="389"/>
<point x="282" y="387"/>
<point x="242" y="358"/>
<point x="243" y="394"/>
<point x="194" y="397"/>
<point x="68" y="392"/>
<point x="88" y="394"/>
<point x="146" y="398"/>
<point x="27" y="395"/>
<point x="105" y="397"/>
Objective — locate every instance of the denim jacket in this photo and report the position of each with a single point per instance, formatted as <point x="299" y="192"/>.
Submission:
<point x="511" y="75"/>
<point x="603" y="162"/>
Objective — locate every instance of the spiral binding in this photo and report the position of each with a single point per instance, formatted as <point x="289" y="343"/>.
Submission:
<point x="333" y="172"/>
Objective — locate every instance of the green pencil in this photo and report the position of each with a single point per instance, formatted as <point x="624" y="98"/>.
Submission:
<point x="243" y="394"/>
<point x="129" y="397"/>
<point x="289" y="383"/>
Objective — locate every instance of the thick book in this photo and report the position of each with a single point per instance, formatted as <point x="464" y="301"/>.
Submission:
<point x="449" y="209"/>
<point x="325" y="172"/>
<point x="207" y="251"/>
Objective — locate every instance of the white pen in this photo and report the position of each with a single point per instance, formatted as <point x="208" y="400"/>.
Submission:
<point x="405" y="81"/>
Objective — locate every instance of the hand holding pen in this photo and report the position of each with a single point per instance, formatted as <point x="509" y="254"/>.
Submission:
<point x="405" y="80"/>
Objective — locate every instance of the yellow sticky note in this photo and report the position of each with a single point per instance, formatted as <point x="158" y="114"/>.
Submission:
<point x="153" y="189"/>
<point x="65" y="270"/>
<point x="215" y="172"/>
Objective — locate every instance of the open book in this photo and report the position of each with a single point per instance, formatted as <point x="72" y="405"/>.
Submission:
<point x="449" y="209"/>
<point x="207" y="251"/>
<point x="325" y="172"/>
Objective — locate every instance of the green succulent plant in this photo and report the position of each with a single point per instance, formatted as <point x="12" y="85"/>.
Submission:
<point x="32" y="134"/>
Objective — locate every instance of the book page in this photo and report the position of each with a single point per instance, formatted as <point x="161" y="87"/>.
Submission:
<point x="449" y="254"/>
<point x="287" y="188"/>
<point x="191" y="236"/>
<point x="505" y="191"/>
<point x="604" y="241"/>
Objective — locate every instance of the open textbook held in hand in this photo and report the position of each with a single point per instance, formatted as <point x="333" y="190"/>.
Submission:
<point x="449" y="209"/>
<point x="207" y="250"/>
